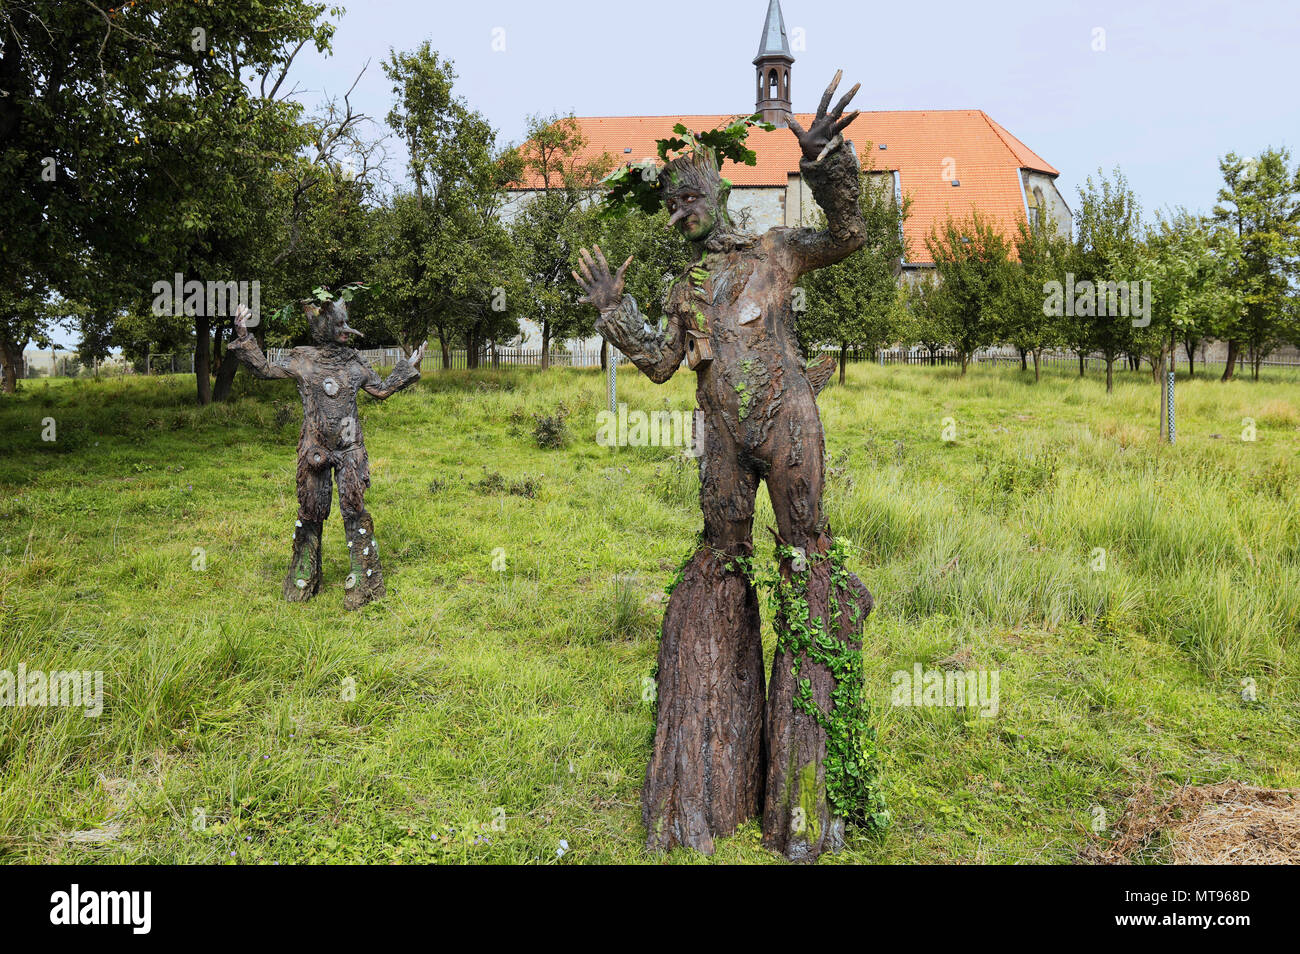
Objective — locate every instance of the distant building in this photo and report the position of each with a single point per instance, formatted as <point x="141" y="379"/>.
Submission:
<point x="949" y="161"/>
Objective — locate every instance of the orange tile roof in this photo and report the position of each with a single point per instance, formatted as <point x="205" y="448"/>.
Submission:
<point x="927" y="148"/>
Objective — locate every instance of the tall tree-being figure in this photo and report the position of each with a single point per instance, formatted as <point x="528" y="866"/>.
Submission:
<point x="719" y="758"/>
<point x="330" y="445"/>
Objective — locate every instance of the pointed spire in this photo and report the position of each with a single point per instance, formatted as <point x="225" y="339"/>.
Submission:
<point x="773" y="41"/>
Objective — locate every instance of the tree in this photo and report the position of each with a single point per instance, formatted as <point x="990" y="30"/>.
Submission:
<point x="445" y="263"/>
<point x="854" y="302"/>
<point x="1260" y="200"/>
<point x="26" y="319"/>
<point x="1044" y="256"/>
<point x="927" y="322"/>
<point x="139" y="114"/>
<point x="972" y="261"/>
<point x="549" y="227"/>
<point x="311" y="209"/>
<point x="1108" y="241"/>
<point x="1190" y="283"/>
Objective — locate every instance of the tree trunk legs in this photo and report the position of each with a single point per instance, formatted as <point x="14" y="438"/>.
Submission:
<point x="815" y="713"/>
<point x="706" y="774"/>
<point x="304" y="577"/>
<point x="365" y="581"/>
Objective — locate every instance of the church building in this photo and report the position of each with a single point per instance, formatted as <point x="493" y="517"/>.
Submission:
<point x="949" y="161"/>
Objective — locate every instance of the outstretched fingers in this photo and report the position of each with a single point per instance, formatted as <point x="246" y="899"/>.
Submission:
<point x="830" y="91"/>
<point x="844" y="101"/>
<point x="843" y="123"/>
<point x="598" y="270"/>
<point x="623" y="268"/>
<point x="585" y="286"/>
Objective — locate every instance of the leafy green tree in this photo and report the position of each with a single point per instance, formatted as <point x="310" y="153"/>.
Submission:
<point x="445" y="262"/>
<point x="1190" y="283"/>
<point x="925" y="321"/>
<point x="550" y="226"/>
<point x="141" y="114"/>
<point x="1260" y="200"/>
<point x="1043" y="256"/>
<point x="972" y="262"/>
<point x="854" y="303"/>
<point x="1108" y="239"/>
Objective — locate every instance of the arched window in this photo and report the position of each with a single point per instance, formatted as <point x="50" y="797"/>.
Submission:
<point x="773" y="85"/>
<point x="1037" y="208"/>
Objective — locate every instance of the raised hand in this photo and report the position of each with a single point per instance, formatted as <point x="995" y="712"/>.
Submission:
<point x="242" y="314"/>
<point x="417" y="355"/>
<point x="602" y="289"/>
<point x="824" y="134"/>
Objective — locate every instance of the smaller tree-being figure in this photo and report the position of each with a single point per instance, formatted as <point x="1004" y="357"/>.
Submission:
<point x="329" y="374"/>
<point x="723" y="752"/>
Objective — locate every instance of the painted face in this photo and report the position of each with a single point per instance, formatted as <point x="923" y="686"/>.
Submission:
<point x="329" y="323"/>
<point x="691" y="213"/>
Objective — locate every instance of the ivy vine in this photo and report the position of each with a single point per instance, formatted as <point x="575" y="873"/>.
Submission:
<point x="852" y="765"/>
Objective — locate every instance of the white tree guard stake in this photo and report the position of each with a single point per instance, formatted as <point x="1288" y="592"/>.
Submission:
<point x="1169" y="405"/>
<point x="611" y="375"/>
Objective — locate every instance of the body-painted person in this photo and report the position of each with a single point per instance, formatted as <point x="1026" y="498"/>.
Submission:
<point x="723" y="752"/>
<point x="329" y="374"/>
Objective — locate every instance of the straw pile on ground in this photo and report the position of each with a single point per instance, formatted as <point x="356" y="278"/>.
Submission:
<point x="1224" y="824"/>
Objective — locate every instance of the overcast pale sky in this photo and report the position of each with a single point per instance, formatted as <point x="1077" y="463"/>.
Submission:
<point x="1174" y="86"/>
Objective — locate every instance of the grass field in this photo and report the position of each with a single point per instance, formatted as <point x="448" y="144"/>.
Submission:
<point x="476" y="715"/>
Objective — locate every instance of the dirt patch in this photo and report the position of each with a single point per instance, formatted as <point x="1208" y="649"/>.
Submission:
<point x="1224" y="824"/>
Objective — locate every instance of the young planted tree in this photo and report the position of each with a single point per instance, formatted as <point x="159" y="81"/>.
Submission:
<point x="1190" y="284"/>
<point x="976" y="280"/>
<point x="1260" y="201"/>
<point x="1108" y="239"/>
<point x="445" y="263"/>
<point x="853" y="303"/>
<point x="550" y="226"/>
<point x="1043" y="256"/>
<point x="926" y="323"/>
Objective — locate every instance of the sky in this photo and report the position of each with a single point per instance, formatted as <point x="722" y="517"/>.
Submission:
<point x="1159" y="89"/>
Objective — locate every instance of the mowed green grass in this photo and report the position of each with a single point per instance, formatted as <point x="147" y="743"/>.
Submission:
<point x="484" y="716"/>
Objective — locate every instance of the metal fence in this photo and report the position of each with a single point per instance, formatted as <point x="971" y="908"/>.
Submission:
<point x="1011" y="357"/>
<point x="174" y="363"/>
<point x="583" y="356"/>
<point x="578" y="357"/>
<point x="67" y="364"/>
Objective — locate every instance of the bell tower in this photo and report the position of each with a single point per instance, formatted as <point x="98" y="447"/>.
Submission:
<point x="773" y="68"/>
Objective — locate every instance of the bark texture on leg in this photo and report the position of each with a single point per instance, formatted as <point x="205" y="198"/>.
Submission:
<point x="303" y="579"/>
<point x="706" y="775"/>
<point x="730" y="316"/>
<point x="818" y="776"/>
<point x="365" y="581"/>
